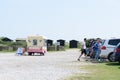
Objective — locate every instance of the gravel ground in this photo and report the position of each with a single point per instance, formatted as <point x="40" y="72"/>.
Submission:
<point x="52" y="66"/>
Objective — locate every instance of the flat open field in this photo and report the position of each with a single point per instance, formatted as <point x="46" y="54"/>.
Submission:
<point x="52" y="66"/>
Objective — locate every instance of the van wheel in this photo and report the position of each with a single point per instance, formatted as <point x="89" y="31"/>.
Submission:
<point x="41" y="54"/>
<point x="30" y="54"/>
<point x="111" y="57"/>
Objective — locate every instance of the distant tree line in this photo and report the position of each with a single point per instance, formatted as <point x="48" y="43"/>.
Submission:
<point x="6" y="44"/>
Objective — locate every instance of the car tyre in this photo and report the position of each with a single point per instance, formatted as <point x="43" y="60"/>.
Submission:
<point x="111" y="57"/>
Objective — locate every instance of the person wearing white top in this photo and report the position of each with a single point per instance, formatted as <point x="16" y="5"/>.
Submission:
<point x="83" y="49"/>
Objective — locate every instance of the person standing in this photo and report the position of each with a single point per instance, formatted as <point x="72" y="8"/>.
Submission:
<point x="96" y="49"/>
<point x="83" y="49"/>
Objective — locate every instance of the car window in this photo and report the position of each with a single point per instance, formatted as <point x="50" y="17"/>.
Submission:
<point x="114" y="42"/>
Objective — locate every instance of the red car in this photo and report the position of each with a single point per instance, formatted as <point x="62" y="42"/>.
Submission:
<point x="117" y="53"/>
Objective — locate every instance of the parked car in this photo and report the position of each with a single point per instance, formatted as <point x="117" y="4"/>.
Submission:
<point x="108" y="47"/>
<point x="117" y="53"/>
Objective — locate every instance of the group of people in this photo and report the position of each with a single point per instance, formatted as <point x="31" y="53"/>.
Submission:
<point x="93" y="50"/>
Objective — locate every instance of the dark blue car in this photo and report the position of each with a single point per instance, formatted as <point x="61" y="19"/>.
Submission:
<point x="117" y="53"/>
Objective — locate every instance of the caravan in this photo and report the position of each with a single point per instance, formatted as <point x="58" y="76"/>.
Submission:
<point x="36" y="44"/>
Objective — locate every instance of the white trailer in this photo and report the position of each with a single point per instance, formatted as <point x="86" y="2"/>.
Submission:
<point x="36" y="44"/>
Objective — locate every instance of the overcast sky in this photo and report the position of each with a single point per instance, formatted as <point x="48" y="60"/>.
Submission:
<point x="60" y="19"/>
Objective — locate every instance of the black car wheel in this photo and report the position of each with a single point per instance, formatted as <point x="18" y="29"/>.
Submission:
<point x="111" y="57"/>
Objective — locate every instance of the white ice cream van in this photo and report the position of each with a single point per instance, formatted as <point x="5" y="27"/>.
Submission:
<point x="36" y="44"/>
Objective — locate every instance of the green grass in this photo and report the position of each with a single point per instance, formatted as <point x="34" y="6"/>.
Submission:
<point x="100" y="71"/>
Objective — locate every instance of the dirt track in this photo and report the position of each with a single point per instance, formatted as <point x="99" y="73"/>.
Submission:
<point x="52" y="66"/>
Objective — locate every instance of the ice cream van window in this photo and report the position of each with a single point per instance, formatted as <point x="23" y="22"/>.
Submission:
<point x="34" y="42"/>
